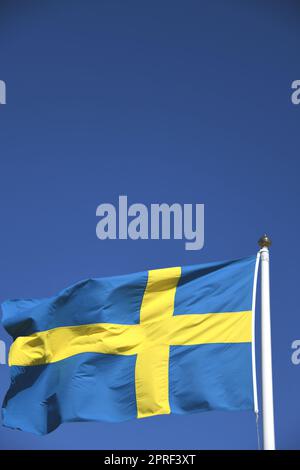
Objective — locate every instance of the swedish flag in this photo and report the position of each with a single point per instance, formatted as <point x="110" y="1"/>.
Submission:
<point x="174" y="340"/>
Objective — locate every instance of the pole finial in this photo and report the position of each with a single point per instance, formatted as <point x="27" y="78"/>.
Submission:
<point x="264" y="241"/>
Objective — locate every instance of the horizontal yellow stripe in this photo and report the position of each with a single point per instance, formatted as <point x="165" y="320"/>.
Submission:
<point x="235" y="327"/>
<point x="59" y="343"/>
<point x="109" y="338"/>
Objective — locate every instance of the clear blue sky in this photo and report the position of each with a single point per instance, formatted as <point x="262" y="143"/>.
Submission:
<point x="165" y="101"/>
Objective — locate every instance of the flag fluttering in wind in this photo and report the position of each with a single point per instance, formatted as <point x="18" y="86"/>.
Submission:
<point x="174" y="340"/>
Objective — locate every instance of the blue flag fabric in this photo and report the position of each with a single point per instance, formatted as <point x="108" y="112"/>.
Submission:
<point x="174" y="340"/>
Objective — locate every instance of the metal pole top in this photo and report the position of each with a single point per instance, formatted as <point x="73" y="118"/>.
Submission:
<point x="264" y="241"/>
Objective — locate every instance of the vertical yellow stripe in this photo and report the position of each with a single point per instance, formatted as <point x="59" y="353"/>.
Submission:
<point x="152" y="381"/>
<point x="158" y="301"/>
<point x="152" y="365"/>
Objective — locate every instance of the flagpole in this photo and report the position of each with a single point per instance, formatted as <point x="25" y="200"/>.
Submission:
<point x="266" y="348"/>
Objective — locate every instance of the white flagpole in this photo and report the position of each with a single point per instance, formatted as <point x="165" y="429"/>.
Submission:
<point x="266" y="348"/>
